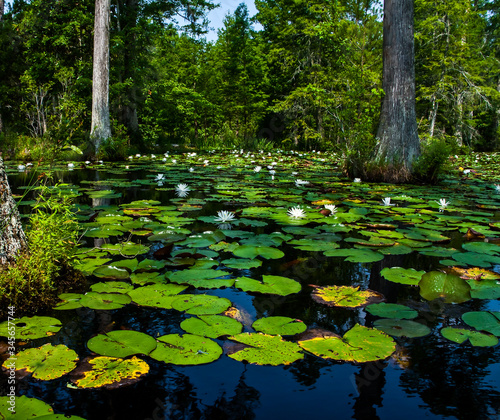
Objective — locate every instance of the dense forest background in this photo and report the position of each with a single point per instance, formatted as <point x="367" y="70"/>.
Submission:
<point x="309" y="79"/>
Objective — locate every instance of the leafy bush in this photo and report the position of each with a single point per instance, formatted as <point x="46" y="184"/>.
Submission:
<point x="433" y="161"/>
<point x="39" y="275"/>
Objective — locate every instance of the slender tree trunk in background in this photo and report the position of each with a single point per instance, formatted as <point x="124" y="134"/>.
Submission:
<point x="398" y="143"/>
<point x="12" y="237"/>
<point x="101" y="129"/>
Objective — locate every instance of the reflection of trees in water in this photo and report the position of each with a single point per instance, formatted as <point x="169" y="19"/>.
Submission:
<point x="451" y="379"/>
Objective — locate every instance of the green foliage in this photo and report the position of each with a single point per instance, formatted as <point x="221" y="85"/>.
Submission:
<point x="38" y="275"/>
<point x="433" y="161"/>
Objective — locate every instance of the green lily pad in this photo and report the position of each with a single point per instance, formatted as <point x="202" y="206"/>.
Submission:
<point x="356" y="255"/>
<point x="241" y="263"/>
<point x="212" y="326"/>
<point x="109" y="372"/>
<point x="29" y="408"/>
<point x="129" y="264"/>
<point x="186" y="349"/>
<point x="150" y="265"/>
<point x="27" y="328"/>
<point x="157" y="295"/>
<point x="111" y="272"/>
<point x="402" y="275"/>
<point x="95" y="300"/>
<point x="476" y="338"/>
<point x="112" y="287"/>
<point x="391" y="310"/>
<point x="280" y="325"/>
<point x="126" y="248"/>
<point x="201" y="278"/>
<point x="476" y="259"/>
<point x="276" y="285"/>
<point x="46" y="362"/>
<point x="253" y="251"/>
<point x="69" y="301"/>
<point x="122" y="343"/>
<point x="482" y="248"/>
<point x="88" y="265"/>
<point x="263" y="349"/>
<point x="359" y="344"/>
<point x="402" y="328"/>
<point x="483" y="321"/>
<point x="450" y="287"/>
<point x="201" y="304"/>
<point x="345" y="296"/>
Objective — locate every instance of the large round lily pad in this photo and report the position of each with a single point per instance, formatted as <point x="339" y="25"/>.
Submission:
<point x="212" y="326"/>
<point x="402" y="328"/>
<point x="29" y="408"/>
<point x="201" y="304"/>
<point x="202" y="278"/>
<point x="263" y="349"/>
<point x="483" y="321"/>
<point x="359" y="344"/>
<point x="101" y="301"/>
<point x="122" y="343"/>
<point x="276" y="285"/>
<point x="476" y="338"/>
<point x="109" y="372"/>
<point x="253" y="251"/>
<point x="27" y="328"/>
<point x="356" y="255"/>
<point x="402" y="275"/>
<point x="450" y="287"/>
<point x="281" y="325"/>
<point x="157" y="295"/>
<point x="186" y="349"/>
<point x="112" y="287"/>
<point x="391" y="310"/>
<point x="46" y="362"/>
<point x="111" y="272"/>
<point x="345" y="296"/>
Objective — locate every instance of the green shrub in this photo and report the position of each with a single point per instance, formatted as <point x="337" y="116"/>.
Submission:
<point x="38" y="276"/>
<point x="433" y="161"/>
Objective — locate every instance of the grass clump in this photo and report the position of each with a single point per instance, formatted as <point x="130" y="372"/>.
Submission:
<point x="39" y="275"/>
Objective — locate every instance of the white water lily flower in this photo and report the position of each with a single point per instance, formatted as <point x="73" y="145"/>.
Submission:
<point x="21" y="167"/>
<point x="191" y="169"/>
<point x="497" y="187"/>
<point x="443" y="203"/>
<point x="387" y="201"/>
<point x="138" y="155"/>
<point x="299" y="182"/>
<point x="332" y="207"/>
<point x="71" y="165"/>
<point x="257" y="168"/>
<point x="224" y="216"/>
<point x="174" y="160"/>
<point x="272" y="171"/>
<point x="160" y="177"/>
<point x="357" y="180"/>
<point x="182" y="190"/>
<point x="296" y="212"/>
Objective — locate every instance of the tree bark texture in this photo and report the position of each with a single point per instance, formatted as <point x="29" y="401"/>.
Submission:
<point x="398" y="143"/>
<point x="12" y="237"/>
<point x="101" y="128"/>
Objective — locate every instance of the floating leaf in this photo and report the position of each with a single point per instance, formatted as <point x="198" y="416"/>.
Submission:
<point x="281" y="325"/>
<point x="476" y="259"/>
<point x="476" y="338"/>
<point x="46" y="362"/>
<point x="356" y="255"/>
<point x="201" y="304"/>
<point x="241" y="263"/>
<point x="111" y="272"/>
<point x="482" y="247"/>
<point x="88" y="265"/>
<point x="112" y="287"/>
<point x="450" y="287"/>
<point x="483" y="321"/>
<point x="253" y="251"/>
<point x="186" y="349"/>
<point x="391" y="310"/>
<point x="157" y="295"/>
<point x="212" y="326"/>
<point x="122" y="343"/>
<point x="109" y="372"/>
<point x="345" y="296"/>
<point x="402" y="275"/>
<point x="402" y="328"/>
<point x="266" y="349"/>
<point x="126" y="248"/>
<point x="104" y="301"/>
<point x="359" y="344"/>
<point x="202" y="278"/>
<point x="27" y="328"/>
<point x="29" y="408"/>
<point x="276" y="285"/>
<point x="69" y="301"/>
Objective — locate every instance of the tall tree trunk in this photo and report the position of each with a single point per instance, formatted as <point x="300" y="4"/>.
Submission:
<point x="398" y="143"/>
<point x="101" y="128"/>
<point x="12" y="237"/>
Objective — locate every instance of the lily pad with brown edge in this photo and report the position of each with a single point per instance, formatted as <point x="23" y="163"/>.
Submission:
<point x="157" y="295"/>
<point x="109" y="372"/>
<point x="186" y="349"/>
<point x="359" y="344"/>
<point x="104" y="301"/>
<point x="391" y="310"/>
<point x="254" y="251"/>
<point x="201" y="278"/>
<point x="475" y="273"/>
<point x="488" y="321"/>
<point x="212" y="326"/>
<point x="201" y="304"/>
<point x="279" y="325"/>
<point x="402" y="328"/>
<point x="476" y="338"/>
<point x="345" y="296"/>
<point x="69" y="301"/>
<point x="29" y="408"/>
<point x="31" y="328"/>
<point x="356" y="255"/>
<point x="122" y="343"/>
<point x="402" y="275"/>
<point x="276" y="285"/>
<point x="264" y="349"/>
<point x="46" y="362"/>
<point x="449" y="287"/>
<point x="112" y="287"/>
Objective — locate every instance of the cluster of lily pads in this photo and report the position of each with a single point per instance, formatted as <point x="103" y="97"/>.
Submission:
<point x="219" y="220"/>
